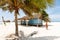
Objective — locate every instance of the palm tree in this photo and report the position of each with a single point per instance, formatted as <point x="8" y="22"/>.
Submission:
<point x="28" y="6"/>
<point x="36" y="6"/>
<point x="47" y="20"/>
<point x="45" y="17"/>
<point x="12" y="5"/>
<point x="15" y="5"/>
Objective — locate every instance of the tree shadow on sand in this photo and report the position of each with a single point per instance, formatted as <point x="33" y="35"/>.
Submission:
<point x="36" y="25"/>
<point x="44" y="38"/>
<point x="29" y="37"/>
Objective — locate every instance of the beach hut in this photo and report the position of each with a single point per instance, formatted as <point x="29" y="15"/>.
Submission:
<point x="30" y="21"/>
<point x="24" y="20"/>
<point x="35" y="22"/>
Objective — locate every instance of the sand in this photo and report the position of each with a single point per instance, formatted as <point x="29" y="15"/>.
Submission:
<point x="53" y="32"/>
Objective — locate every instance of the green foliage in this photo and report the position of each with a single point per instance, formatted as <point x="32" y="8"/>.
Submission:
<point x="45" y="16"/>
<point x="28" y="6"/>
<point x="44" y="13"/>
<point x="33" y="5"/>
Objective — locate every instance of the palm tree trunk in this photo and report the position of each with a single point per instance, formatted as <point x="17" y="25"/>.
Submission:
<point x="47" y="25"/>
<point x="16" y="23"/>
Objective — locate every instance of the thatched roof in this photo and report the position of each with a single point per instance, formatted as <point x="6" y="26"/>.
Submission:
<point x="24" y="18"/>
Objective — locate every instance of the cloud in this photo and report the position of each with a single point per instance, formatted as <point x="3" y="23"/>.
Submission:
<point x="54" y="13"/>
<point x="54" y="10"/>
<point x="55" y="17"/>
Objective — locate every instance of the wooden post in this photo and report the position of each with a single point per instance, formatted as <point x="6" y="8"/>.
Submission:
<point x="3" y="21"/>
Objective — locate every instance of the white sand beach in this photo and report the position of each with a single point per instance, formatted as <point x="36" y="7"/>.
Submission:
<point x="53" y="32"/>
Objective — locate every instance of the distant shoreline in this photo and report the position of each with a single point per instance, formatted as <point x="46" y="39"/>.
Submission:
<point x="51" y="21"/>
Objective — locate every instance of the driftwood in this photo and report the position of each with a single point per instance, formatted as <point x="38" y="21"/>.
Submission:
<point x="20" y="37"/>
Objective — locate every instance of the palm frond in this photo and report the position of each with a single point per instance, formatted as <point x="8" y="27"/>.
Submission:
<point x="50" y="2"/>
<point x="2" y="2"/>
<point x="27" y="12"/>
<point x="47" y="19"/>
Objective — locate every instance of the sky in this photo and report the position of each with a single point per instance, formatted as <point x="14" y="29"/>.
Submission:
<point x="54" y="13"/>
